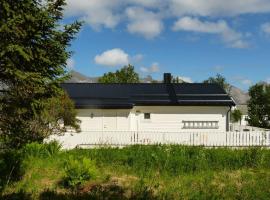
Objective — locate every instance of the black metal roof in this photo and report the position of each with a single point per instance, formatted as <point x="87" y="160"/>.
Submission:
<point x="98" y="95"/>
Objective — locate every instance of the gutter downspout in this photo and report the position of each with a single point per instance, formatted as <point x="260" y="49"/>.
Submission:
<point x="228" y="119"/>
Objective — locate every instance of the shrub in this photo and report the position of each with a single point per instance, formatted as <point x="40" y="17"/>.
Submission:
<point x="33" y="150"/>
<point x="10" y="167"/>
<point x="41" y="150"/>
<point x="77" y="171"/>
<point x="52" y="148"/>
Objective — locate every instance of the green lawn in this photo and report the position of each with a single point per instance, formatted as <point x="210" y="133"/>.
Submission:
<point x="142" y="172"/>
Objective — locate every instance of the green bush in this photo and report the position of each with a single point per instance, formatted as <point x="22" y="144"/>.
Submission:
<point x="52" y="148"/>
<point x="77" y="171"/>
<point x="41" y="150"/>
<point x="10" y="167"/>
<point x="33" y="150"/>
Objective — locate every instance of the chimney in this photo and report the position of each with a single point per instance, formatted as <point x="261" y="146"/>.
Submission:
<point x="167" y="78"/>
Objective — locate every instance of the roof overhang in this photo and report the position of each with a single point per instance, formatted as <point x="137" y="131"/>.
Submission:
<point x="105" y="106"/>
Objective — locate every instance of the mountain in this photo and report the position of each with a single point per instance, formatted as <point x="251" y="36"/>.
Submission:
<point x="240" y="97"/>
<point x="77" y="77"/>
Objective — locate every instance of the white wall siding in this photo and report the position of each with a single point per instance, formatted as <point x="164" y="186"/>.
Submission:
<point x="88" y="123"/>
<point x="104" y="119"/>
<point x="170" y="118"/>
<point x="163" y="118"/>
<point x="123" y="120"/>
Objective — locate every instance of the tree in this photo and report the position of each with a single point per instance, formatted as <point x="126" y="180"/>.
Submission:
<point x="259" y="106"/>
<point x="126" y="74"/>
<point x="177" y="80"/>
<point x="221" y="81"/>
<point x="33" y="55"/>
<point x="236" y="116"/>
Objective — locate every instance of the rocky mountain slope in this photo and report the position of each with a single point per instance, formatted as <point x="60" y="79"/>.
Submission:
<point x="240" y="97"/>
<point x="77" y="77"/>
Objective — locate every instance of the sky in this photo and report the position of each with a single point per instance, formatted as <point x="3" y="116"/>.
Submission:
<point x="192" y="39"/>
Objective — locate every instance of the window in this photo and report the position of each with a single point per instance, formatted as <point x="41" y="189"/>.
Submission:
<point x="200" y="124"/>
<point x="147" y="116"/>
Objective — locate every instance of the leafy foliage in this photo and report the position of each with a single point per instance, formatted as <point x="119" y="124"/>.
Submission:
<point x="10" y="165"/>
<point x="77" y="171"/>
<point x="176" y="79"/>
<point x="33" y="54"/>
<point x="124" y="75"/>
<point x="59" y="112"/>
<point x="221" y="81"/>
<point x="236" y="115"/>
<point x="41" y="150"/>
<point x="259" y="106"/>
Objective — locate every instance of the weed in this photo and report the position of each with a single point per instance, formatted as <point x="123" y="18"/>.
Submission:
<point x="77" y="171"/>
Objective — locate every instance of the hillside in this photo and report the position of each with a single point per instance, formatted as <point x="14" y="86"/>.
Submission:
<point x="77" y="77"/>
<point x="240" y="97"/>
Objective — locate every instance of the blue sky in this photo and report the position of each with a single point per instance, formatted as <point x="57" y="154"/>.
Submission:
<point x="192" y="39"/>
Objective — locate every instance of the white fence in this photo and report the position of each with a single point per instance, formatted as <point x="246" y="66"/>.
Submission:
<point x="123" y="138"/>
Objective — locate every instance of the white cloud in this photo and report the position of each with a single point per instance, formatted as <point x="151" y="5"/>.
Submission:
<point x="218" y="7"/>
<point x="112" y="58"/>
<point x="268" y="80"/>
<point x="218" y="68"/>
<point x="143" y="22"/>
<point x="70" y="63"/>
<point x="148" y="3"/>
<point x="229" y="36"/>
<point x="110" y="12"/>
<point x="266" y="28"/>
<point x="96" y="13"/>
<point x="246" y="82"/>
<point x="145" y="17"/>
<point x="152" y="69"/>
<point x="185" y="79"/>
<point x="137" y="58"/>
<point x="243" y="80"/>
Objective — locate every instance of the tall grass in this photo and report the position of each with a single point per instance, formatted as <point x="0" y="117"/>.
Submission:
<point x="140" y="172"/>
<point x="175" y="160"/>
<point x="41" y="150"/>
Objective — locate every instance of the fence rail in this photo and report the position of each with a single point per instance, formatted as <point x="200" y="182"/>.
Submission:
<point x="122" y="138"/>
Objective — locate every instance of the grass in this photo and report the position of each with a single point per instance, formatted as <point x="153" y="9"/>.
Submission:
<point x="147" y="172"/>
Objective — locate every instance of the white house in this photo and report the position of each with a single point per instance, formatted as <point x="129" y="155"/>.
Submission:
<point x="185" y="107"/>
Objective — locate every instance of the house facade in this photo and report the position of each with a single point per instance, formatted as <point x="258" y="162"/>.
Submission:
<point x="174" y="107"/>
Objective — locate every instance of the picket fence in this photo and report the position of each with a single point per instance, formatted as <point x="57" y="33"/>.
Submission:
<point x="123" y="138"/>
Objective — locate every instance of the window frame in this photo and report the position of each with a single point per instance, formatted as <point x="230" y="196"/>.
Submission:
<point x="92" y="115"/>
<point x="200" y="124"/>
<point x="145" y="114"/>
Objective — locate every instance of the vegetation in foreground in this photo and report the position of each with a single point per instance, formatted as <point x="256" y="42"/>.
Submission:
<point x="137" y="172"/>
<point x="34" y="50"/>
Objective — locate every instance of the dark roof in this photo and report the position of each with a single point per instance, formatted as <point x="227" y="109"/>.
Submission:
<point x="98" y="95"/>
